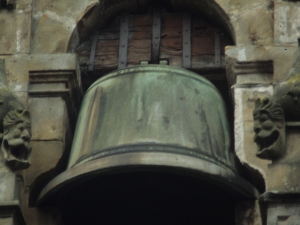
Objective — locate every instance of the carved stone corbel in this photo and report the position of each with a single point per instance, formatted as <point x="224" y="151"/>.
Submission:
<point x="269" y="128"/>
<point x="15" y="132"/>
<point x="15" y="145"/>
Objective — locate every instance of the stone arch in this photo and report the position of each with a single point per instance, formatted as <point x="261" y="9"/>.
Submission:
<point x="57" y="30"/>
<point x="101" y="14"/>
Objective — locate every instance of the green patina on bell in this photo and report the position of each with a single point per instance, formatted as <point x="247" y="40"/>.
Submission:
<point x="152" y="117"/>
<point x="152" y="108"/>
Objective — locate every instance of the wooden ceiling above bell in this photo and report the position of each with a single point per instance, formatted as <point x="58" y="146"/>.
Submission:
<point x="101" y="54"/>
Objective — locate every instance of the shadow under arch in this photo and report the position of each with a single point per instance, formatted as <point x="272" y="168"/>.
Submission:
<point x="103" y="13"/>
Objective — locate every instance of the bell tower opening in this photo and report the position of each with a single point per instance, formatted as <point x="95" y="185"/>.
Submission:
<point x="152" y="142"/>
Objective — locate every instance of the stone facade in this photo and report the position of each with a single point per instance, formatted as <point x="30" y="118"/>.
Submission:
<point x="38" y="39"/>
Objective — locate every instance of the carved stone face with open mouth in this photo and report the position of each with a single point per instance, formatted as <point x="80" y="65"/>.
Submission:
<point x="269" y="128"/>
<point x="16" y="140"/>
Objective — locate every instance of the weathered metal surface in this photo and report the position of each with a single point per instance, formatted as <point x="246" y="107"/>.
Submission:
<point x="152" y="108"/>
<point x="186" y="46"/>
<point x="123" y="47"/>
<point x="93" y="52"/>
<point x="156" y="33"/>
<point x="217" y="48"/>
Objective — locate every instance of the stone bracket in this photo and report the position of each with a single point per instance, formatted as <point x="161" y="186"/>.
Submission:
<point x="11" y="211"/>
<point x="281" y="207"/>
<point x="236" y="70"/>
<point x="62" y="83"/>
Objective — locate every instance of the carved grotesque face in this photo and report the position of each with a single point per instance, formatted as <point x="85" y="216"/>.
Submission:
<point x="16" y="139"/>
<point x="269" y="128"/>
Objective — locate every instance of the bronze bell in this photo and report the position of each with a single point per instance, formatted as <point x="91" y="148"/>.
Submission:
<point x="152" y="118"/>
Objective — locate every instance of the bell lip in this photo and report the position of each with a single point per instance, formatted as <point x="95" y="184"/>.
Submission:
<point x="148" y="161"/>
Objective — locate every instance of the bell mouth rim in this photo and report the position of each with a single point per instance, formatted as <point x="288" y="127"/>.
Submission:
<point x="148" y="161"/>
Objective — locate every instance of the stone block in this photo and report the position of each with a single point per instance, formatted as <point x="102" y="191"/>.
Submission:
<point x="7" y="221"/>
<point x="254" y="79"/>
<point x="42" y="215"/>
<point x="18" y="67"/>
<point x="286" y="23"/>
<point x="15" y="29"/>
<point x="44" y="157"/>
<point x="7" y="186"/>
<point x="245" y="147"/>
<point x="22" y="97"/>
<point x="284" y="173"/>
<point x="282" y="57"/>
<point x="254" y="25"/>
<point x="58" y="20"/>
<point x="283" y="214"/>
<point x="48" y="118"/>
<point x="248" y="213"/>
<point x="10" y="213"/>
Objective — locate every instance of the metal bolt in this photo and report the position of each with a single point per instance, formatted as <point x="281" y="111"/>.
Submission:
<point x="123" y="45"/>
<point x="122" y="62"/>
<point x="156" y="37"/>
<point x="187" y="55"/>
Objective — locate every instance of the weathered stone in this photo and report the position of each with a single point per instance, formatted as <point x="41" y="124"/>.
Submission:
<point x="283" y="213"/>
<point x="7" y="221"/>
<point x="16" y="29"/>
<point x="39" y="216"/>
<point x="248" y="213"/>
<point x="245" y="147"/>
<point x="52" y="18"/>
<point x="282" y="57"/>
<point x="7" y="188"/>
<point x="254" y="79"/>
<point x="45" y="155"/>
<point x="286" y="23"/>
<point x="283" y="174"/>
<point x="18" y="67"/>
<point x="248" y="25"/>
<point x="48" y="122"/>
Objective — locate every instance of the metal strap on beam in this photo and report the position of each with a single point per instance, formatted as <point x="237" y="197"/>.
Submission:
<point x="186" y="36"/>
<point x="93" y="52"/>
<point x="156" y="33"/>
<point x="123" y="45"/>
<point x="217" y="48"/>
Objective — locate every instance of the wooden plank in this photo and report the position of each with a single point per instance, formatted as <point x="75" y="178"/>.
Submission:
<point x="139" y="50"/>
<point x="139" y="43"/>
